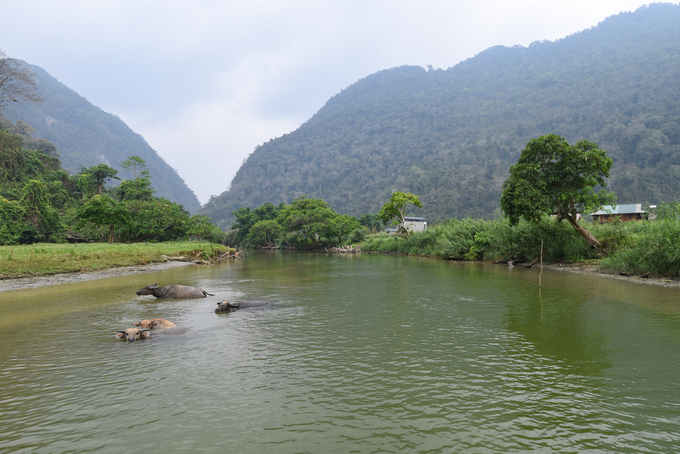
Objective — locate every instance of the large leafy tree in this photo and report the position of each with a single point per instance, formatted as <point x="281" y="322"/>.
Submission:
<point x="99" y="175"/>
<point x="247" y="218"/>
<point x="555" y="178"/>
<point x="102" y="210"/>
<point x="140" y="188"/>
<point x="394" y="211"/>
<point x="313" y="223"/>
<point x="265" y="233"/>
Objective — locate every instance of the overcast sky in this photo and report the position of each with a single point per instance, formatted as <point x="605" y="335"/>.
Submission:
<point x="205" y="81"/>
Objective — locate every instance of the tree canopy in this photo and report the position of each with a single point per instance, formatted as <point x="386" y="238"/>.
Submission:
<point x="40" y="202"/>
<point x="552" y="177"/>
<point x="394" y="211"/>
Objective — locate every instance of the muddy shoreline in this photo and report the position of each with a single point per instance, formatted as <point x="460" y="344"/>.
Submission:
<point x="593" y="269"/>
<point x="57" y="279"/>
<point x="67" y="278"/>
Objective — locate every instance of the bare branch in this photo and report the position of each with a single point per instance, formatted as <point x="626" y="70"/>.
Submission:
<point x="17" y="82"/>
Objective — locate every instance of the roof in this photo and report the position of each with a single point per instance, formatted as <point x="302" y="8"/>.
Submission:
<point x="631" y="208"/>
<point x="415" y="219"/>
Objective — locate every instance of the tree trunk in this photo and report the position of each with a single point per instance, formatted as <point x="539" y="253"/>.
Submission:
<point x="590" y="238"/>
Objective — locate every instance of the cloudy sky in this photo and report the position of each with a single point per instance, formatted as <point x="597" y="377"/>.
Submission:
<point x="206" y="81"/>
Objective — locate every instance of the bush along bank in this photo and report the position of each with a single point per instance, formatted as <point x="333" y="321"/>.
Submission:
<point x="643" y="247"/>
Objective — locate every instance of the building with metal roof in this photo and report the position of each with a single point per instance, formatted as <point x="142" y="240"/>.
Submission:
<point x="626" y="212"/>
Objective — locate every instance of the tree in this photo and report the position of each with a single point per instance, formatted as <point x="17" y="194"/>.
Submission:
<point x="394" y="211"/>
<point x="17" y="82"/>
<point x="158" y="220"/>
<point x="100" y="174"/>
<point x="371" y="222"/>
<point x="136" y="166"/>
<point x="102" y="210"/>
<point x="246" y="219"/>
<point x="555" y="178"/>
<point x="265" y="233"/>
<point x="306" y="221"/>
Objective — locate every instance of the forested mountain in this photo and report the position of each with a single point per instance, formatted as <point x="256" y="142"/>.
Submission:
<point x="86" y="136"/>
<point x="450" y="135"/>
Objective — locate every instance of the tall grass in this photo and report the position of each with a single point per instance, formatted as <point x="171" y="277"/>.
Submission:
<point x="633" y="247"/>
<point x="653" y="249"/>
<point x="496" y="240"/>
<point x="48" y="258"/>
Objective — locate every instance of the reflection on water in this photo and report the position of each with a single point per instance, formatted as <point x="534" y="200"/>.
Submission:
<point x="365" y="353"/>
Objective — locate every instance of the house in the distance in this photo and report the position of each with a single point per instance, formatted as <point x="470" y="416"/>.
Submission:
<point x="415" y="224"/>
<point x="630" y="212"/>
<point x="411" y="224"/>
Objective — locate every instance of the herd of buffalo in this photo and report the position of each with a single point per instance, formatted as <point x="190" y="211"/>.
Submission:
<point x="145" y="328"/>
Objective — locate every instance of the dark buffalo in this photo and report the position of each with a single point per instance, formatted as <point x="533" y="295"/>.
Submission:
<point x="225" y="306"/>
<point x="173" y="291"/>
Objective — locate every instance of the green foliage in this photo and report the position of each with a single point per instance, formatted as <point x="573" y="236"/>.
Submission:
<point x="451" y="135"/>
<point x="555" y="178"/>
<point x="394" y="211"/>
<point x="357" y="235"/>
<point x="552" y="177"/>
<point x="83" y="133"/>
<point x="103" y="211"/>
<point x="156" y="220"/>
<point x="200" y="228"/>
<point x="653" y="248"/>
<point x="371" y="222"/>
<point x="669" y="211"/>
<point x="34" y="190"/>
<point x="139" y="189"/>
<point x="312" y="223"/>
<point x="246" y="219"/>
<point x="265" y="233"/>
<point x="136" y="166"/>
<point x="99" y="175"/>
<point x="497" y="240"/>
<point x="11" y="226"/>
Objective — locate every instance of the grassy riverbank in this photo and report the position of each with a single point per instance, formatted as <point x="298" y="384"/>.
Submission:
<point x="632" y="247"/>
<point x="45" y="259"/>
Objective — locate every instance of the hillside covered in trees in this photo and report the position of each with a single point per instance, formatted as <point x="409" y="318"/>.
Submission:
<point x="451" y="135"/>
<point x="86" y="136"/>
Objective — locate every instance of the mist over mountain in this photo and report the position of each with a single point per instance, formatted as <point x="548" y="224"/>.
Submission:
<point x="86" y="136"/>
<point x="451" y="135"/>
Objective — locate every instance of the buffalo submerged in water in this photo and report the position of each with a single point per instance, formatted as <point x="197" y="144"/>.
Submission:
<point x="225" y="306"/>
<point x="173" y="291"/>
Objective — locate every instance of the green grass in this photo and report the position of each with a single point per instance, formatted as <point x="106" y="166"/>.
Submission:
<point x="47" y="258"/>
<point x="642" y="247"/>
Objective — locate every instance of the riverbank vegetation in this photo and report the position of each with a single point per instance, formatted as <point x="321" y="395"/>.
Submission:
<point x="45" y="259"/>
<point x="42" y="203"/>
<point x="641" y="248"/>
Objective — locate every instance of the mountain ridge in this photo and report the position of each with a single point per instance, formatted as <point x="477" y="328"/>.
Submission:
<point x="86" y="136"/>
<point x="450" y="135"/>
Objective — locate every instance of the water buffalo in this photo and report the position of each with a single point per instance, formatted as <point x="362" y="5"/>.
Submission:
<point x="173" y="291"/>
<point x="229" y="306"/>
<point x="155" y="323"/>
<point x="133" y="334"/>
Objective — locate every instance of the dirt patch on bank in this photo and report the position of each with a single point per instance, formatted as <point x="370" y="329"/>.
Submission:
<point x="594" y="269"/>
<point x="56" y="279"/>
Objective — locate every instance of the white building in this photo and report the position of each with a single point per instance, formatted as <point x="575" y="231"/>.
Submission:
<point x="415" y="224"/>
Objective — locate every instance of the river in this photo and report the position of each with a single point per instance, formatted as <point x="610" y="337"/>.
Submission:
<point x="358" y="353"/>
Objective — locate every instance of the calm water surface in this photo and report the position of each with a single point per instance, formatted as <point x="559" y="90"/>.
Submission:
<point x="365" y="354"/>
